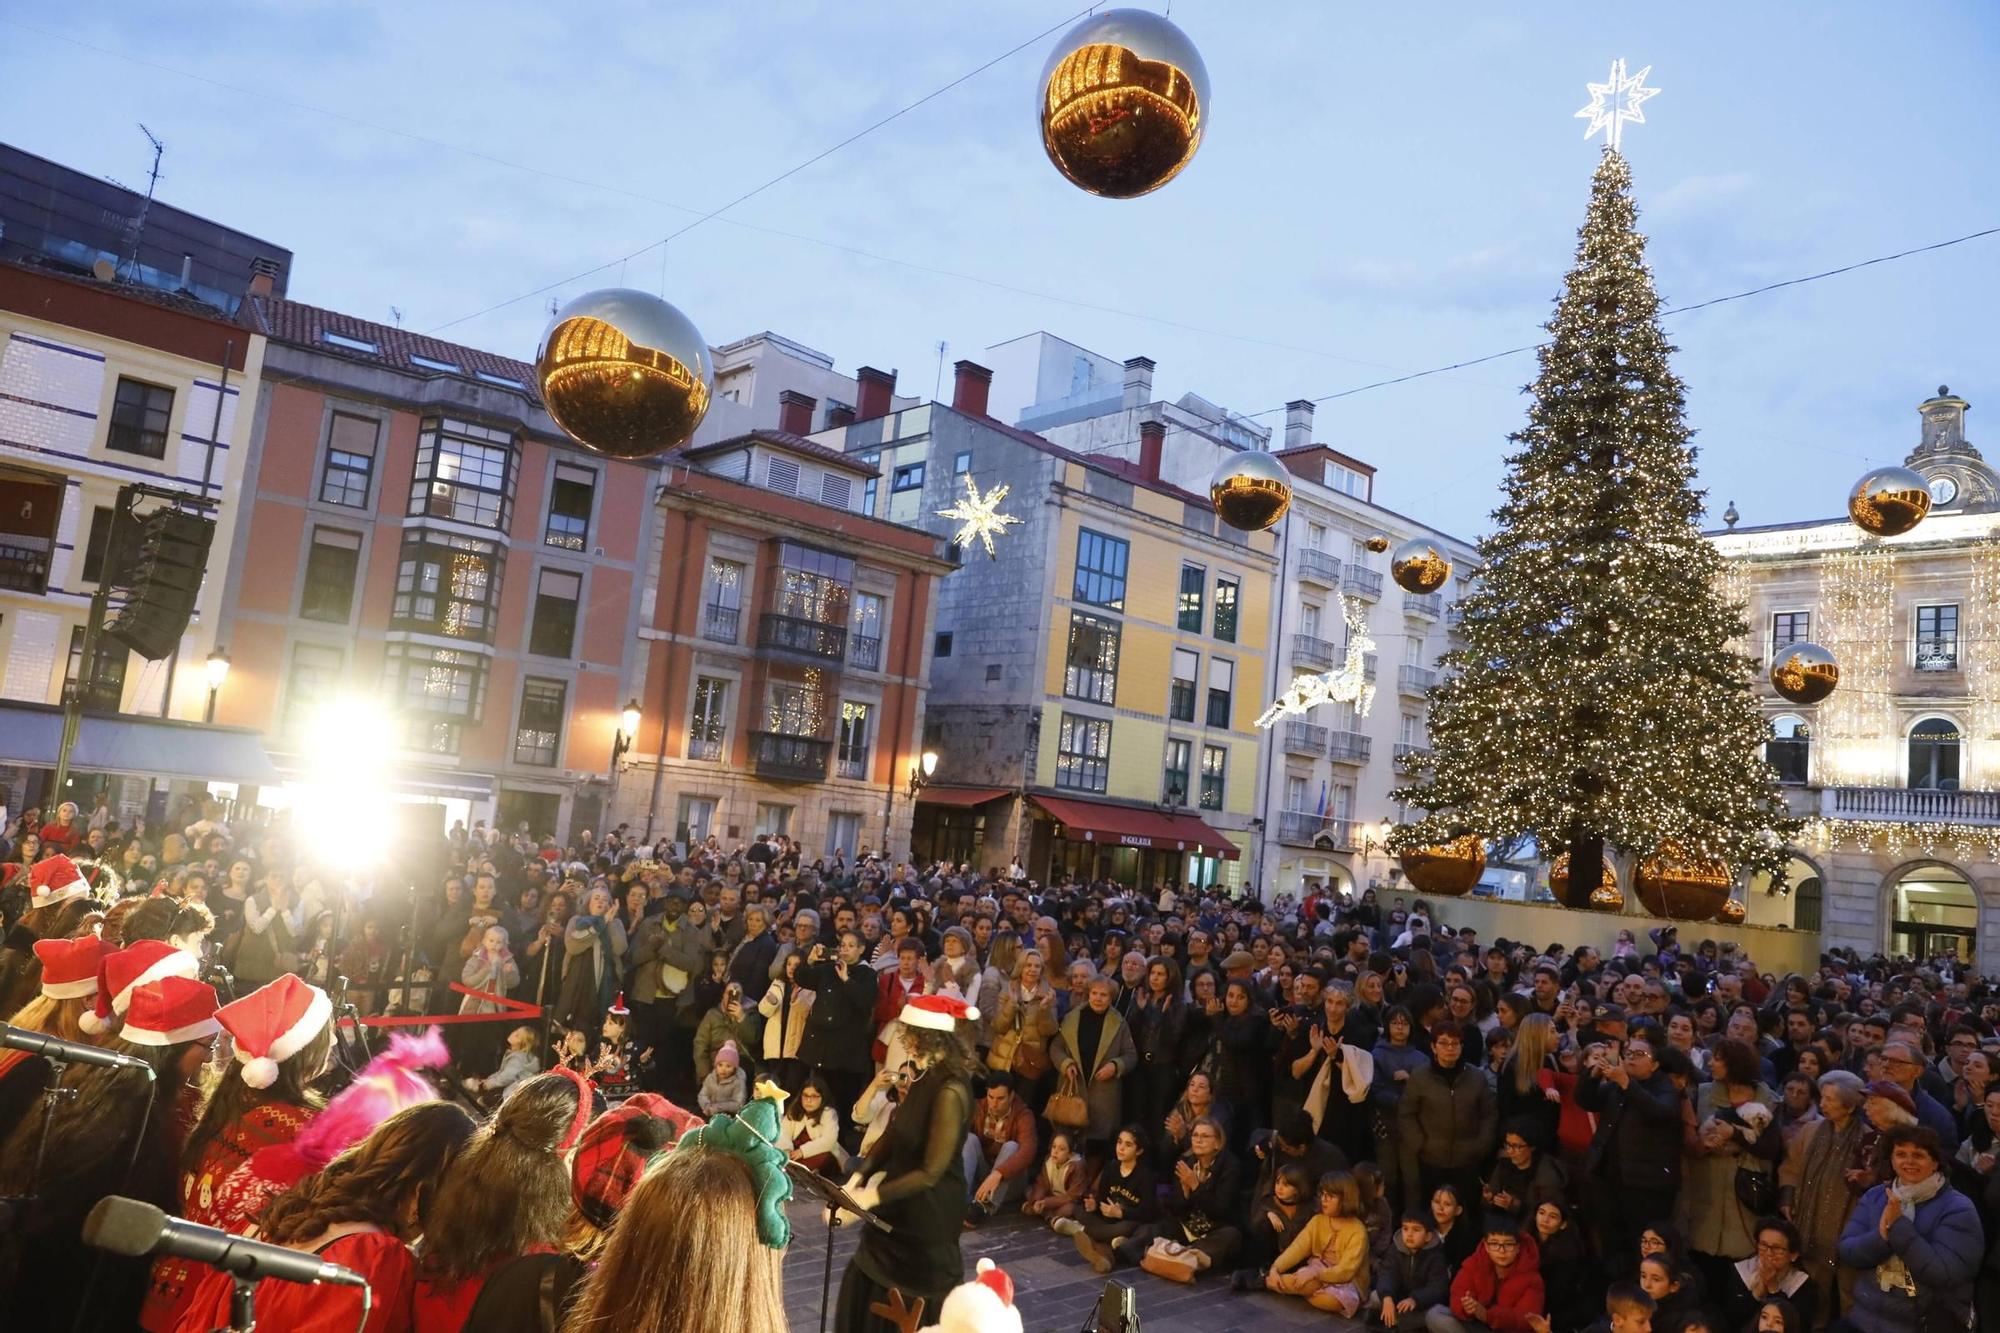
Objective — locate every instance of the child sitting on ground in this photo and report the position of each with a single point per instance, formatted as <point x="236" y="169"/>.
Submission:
<point x="1412" y="1278"/>
<point x="725" y="1090"/>
<point x="518" y="1064"/>
<point x="1057" y="1189"/>
<point x="1328" y="1262"/>
<point x="1627" y="1309"/>
<point x="810" y="1131"/>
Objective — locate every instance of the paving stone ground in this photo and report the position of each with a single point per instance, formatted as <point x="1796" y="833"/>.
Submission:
<point x="1054" y="1288"/>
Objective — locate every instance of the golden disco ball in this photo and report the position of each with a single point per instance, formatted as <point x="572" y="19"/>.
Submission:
<point x="1418" y="566"/>
<point x="1251" y="490"/>
<point x="1559" y="883"/>
<point x="1606" y="897"/>
<point x="1448" y="870"/>
<point x="1683" y="889"/>
<point x="1889" y="501"/>
<point x="624" y="373"/>
<point x="1732" y="913"/>
<point x="1804" y="673"/>
<point x="1124" y="100"/>
<point x="1378" y="543"/>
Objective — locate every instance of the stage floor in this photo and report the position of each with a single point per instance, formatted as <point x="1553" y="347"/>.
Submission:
<point x="1053" y="1286"/>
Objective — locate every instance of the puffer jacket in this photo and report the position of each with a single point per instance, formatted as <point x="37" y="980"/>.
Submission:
<point x="1509" y="1300"/>
<point x="1940" y="1244"/>
<point x="1446" y="1119"/>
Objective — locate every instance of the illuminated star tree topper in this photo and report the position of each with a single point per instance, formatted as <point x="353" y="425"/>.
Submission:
<point x="979" y="516"/>
<point x="1616" y="101"/>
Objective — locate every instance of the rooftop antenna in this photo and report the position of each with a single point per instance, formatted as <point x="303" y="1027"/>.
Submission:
<point x="937" y="385"/>
<point x="396" y="313"/>
<point x="138" y="227"/>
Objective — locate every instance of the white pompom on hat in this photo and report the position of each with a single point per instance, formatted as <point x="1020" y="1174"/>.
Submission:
<point x="983" y="1305"/>
<point x="273" y="1023"/>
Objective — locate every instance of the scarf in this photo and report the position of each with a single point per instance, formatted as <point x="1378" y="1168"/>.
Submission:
<point x="1892" y="1274"/>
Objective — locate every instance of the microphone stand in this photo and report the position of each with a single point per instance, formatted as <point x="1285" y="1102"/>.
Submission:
<point x="242" y="1307"/>
<point x="835" y="1199"/>
<point x="52" y="1096"/>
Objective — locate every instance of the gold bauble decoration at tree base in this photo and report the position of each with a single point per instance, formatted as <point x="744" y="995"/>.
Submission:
<point x="1559" y="883"/>
<point x="1733" y="912"/>
<point x="1889" y="501"/>
<point x="1419" y="566"/>
<point x="1378" y="543"/>
<point x="624" y="374"/>
<point x="1448" y="870"/>
<point x="1606" y="897"/>
<point x="1124" y="101"/>
<point x="1682" y="889"/>
<point x="1804" y="673"/>
<point x="1251" y="490"/>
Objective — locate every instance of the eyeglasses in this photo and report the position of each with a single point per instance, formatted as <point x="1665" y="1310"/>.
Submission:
<point x="1780" y="1248"/>
<point x="1502" y="1243"/>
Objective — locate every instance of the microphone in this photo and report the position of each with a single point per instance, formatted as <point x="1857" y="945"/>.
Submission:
<point x="70" y="1052"/>
<point x="137" y="1229"/>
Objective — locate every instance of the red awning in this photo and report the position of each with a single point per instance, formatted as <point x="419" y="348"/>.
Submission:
<point x="1124" y="826"/>
<point x="961" y="797"/>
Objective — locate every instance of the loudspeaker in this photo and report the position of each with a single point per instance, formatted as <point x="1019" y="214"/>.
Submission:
<point x="168" y="561"/>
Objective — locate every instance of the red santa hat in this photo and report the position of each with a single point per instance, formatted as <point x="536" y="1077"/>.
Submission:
<point x="940" y="1013"/>
<point x="272" y="1024"/>
<point x="56" y="880"/>
<point x="69" y="967"/>
<point x="170" y="1011"/>
<point x="123" y="972"/>
<point x="983" y="1305"/>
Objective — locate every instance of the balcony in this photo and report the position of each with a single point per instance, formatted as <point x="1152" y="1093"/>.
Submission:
<point x="1348" y="747"/>
<point x="1405" y="750"/>
<point x="1423" y="605"/>
<point x="1310" y="650"/>
<point x="720" y="623"/>
<point x="1368" y="667"/>
<point x="1914" y="804"/>
<point x="1305" y="738"/>
<point x="864" y="653"/>
<point x="1303" y="828"/>
<point x="1937" y="654"/>
<point x="807" y="638"/>
<point x="1454" y="620"/>
<point x="1363" y="583"/>
<point x="789" y="758"/>
<point x="1415" y="680"/>
<point x="851" y="766"/>
<point x="1318" y="567"/>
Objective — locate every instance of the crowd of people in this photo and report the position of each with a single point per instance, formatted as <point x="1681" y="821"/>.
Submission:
<point x="1340" y="1100"/>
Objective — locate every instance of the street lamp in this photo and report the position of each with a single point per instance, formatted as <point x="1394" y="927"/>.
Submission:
<point x="921" y="770"/>
<point x="628" y="732"/>
<point x="218" y="671"/>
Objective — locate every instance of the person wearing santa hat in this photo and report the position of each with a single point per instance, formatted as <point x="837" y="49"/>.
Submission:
<point x="914" y="1175"/>
<point x="58" y="901"/>
<point x="121" y="973"/>
<point x="69" y="990"/>
<point x="282" y="1033"/>
<point x="118" y="1135"/>
<point x="983" y="1305"/>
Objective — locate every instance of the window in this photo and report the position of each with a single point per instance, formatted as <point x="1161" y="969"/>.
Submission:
<point x="432" y="363"/>
<point x="1309" y="615"/>
<point x="1091" y="670"/>
<point x="722" y="603"/>
<point x="351" y="344"/>
<point x="865" y="648"/>
<point x="961" y="464"/>
<point x="941" y="645"/>
<point x="694" y="819"/>
<point x="907" y="477"/>
<point x="315" y="675"/>
<point x="1316" y="536"/>
<point x="1083" y="753"/>
<point x="872" y="485"/>
<point x="1410" y="730"/>
<point x="464" y="473"/>
<point x="447" y="584"/>
<point x="440" y="689"/>
<point x="782" y="475"/>
<point x="1937" y="637"/>
<point x="835" y="490"/>
<point x="1225" y="609"/>
<point x="774" y="819"/>
<point x="813" y="584"/>
<point x="1808" y="903"/>
<point x="332" y="565"/>
<point x="1343" y="802"/>
<point x="843" y="831"/>
<point x="1357" y="551"/>
<point x="1174" y="781"/>
<point x="569" y="507"/>
<point x="1214" y="768"/>
<point x="538" y="734"/>
<point x="1100" y="570"/>
<point x="1180" y="696"/>
<point x="1790" y="627"/>
<point x="1346" y="480"/>
<point x="1194" y="587"/>
<point x="504" y="381"/>
<point x="708" y="724"/>
<point x="1935" y="746"/>
<point x="1790" y="748"/>
<point x="103" y="685"/>
<point x="1296" y="792"/>
<point x="139" y="414"/>
<point x="552" y="632"/>
<point x="794" y="709"/>
<point x="1221" y="681"/>
<point x="96" y="544"/>
<point x="350" y="460"/>
<point x="992" y="672"/>
<point x="851" y="759"/>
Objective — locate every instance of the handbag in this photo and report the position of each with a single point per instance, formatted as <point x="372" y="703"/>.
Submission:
<point x="1067" y="1107"/>
<point x="1757" y="1191"/>
<point x="1031" y="1061"/>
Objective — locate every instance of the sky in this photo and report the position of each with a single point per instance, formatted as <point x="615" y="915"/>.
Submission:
<point x="1383" y="188"/>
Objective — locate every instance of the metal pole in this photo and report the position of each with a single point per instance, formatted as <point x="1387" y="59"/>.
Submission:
<point x="75" y="689"/>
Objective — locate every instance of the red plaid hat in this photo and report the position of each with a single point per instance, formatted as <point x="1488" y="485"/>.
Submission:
<point x="614" y="1152"/>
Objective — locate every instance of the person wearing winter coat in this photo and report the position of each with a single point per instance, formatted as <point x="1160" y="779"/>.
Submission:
<point x="840" y="1025"/>
<point x="786" y="1007"/>
<point x="1634" y="1165"/>
<point x="1093" y="1047"/>
<point x="1498" y="1287"/>
<point x="1412" y="1278"/>
<point x="1446" y="1122"/>
<point x="1524" y="1177"/>
<point x="1327" y="1262"/>
<point x="1916" y="1242"/>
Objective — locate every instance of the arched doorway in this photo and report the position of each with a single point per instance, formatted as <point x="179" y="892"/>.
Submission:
<point x="1932" y="912"/>
<point x="1936" y="748"/>
<point x="1798" y="905"/>
<point x="1790" y="748"/>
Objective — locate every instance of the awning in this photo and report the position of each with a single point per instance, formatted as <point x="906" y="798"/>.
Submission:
<point x="147" y="747"/>
<point x="1127" y="826"/>
<point x="961" y="798"/>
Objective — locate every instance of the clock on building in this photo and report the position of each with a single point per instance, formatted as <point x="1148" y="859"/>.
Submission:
<point x="1943" y="491"/>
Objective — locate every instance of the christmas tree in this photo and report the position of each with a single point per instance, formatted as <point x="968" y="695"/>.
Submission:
<point x="1599" y="703"/>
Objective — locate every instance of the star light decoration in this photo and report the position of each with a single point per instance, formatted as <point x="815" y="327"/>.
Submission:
<point x="979" y="516"/>
<point x="1346" y="684"/>
<point x="1616" y="101"/>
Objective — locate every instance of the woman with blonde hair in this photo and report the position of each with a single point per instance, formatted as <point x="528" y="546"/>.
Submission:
<point x="1528" y="1077"/>
<point x="1023" y="1023"/>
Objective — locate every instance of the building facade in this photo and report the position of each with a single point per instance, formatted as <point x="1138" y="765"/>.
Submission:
<point x="1898" y="771"/>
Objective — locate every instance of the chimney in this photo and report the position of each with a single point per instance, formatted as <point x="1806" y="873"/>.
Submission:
<point x="1138" y="381"/>
<point x="263" y="276"/>
<point x="838" y="414"/>
<point x="1152" y="442"/>
<point x="1298" y="423"/>
<point x="970" y="383"/>
<point x="260" y="284"/>
<point x="795" y="412"/>
<point x="875" y="393"/>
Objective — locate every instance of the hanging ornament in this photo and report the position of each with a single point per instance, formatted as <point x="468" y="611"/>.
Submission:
<point x="1607" y="897"/>
<point x="1559" y="883"/>
<point x="1449" y="870"/>
<point x="1251" y="490"/>
<point x="1124" y="101"/>
<point x="1378" y="543"/>
<point x="1681" y="888"/>
<point x="979" y="517"/>
<point x="1418" y="566"/>
<point x="1804" y="673"/>
<point x="624" y="373"/>
<point x="1889" y="501"/>
<point x="1733" y="912"/>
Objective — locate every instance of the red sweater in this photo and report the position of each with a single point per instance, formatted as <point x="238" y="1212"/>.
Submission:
<point x="298" y="1308"/>
<point x="1509" y="1299"/>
